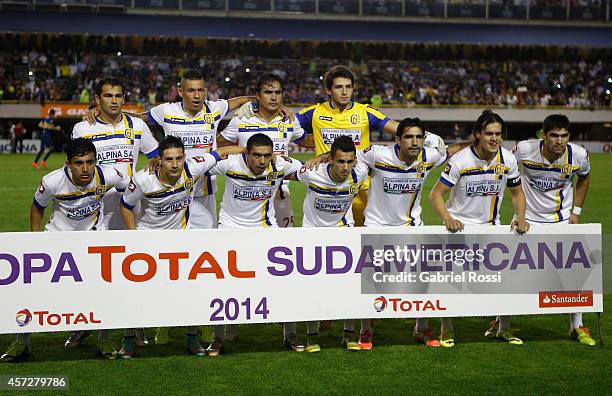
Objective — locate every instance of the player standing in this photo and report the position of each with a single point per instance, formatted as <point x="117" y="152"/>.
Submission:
<point x="548" y="168"/>
<point x="252" y="181"/>
<point x="77" y="192"/>
<point x="47" y="139"/>
<point x="478" y="176"/>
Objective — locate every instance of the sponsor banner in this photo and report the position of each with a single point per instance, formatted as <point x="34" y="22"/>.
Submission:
<point x="30" y="146"/>
<point x="55" y="281"/>
<point x="79" y="110"/>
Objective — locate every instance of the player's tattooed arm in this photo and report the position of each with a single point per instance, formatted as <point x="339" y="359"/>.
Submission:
<point x="36" y="216"/>
<point x="436" y="197"/>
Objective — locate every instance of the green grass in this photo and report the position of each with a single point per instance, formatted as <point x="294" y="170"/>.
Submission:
<point x="547" y="363"/>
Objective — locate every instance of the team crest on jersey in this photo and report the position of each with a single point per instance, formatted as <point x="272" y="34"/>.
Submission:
<point x="282" y="127"/>
<point x="421" y="167"/>
<point x="100" y="190"/>
<point x="355" y="119"/>
<point x="188" y="184"/>
<point x="566" y="169"/>
<point x="354" y="189"/>
<point x="129" y="133"/>
<point x="272" y="176"/>
<point x="499" y="169"/>
<point x="41" y="188"/>
<point x="209" y="119"/>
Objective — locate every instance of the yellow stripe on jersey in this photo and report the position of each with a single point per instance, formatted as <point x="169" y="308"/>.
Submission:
<point x="493" y="209"/>
<point x="558" y="205"/>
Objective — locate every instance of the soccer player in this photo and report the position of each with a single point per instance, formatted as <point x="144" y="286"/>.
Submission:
<point x="77" y="192"/>
<point x="47" y="139"/>
<point x="397" y="176"/>
<point x="118" y="139"/>
<point x="478" y="176"/>
<point x="341" y="116"/>
<point x="269" y="120"/>
<point x="252" y="181"/>
<point x="165" y="197"/>
<point x="548" y="168"/>
<point x="331" y="189"/>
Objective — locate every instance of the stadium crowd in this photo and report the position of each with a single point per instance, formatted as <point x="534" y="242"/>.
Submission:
<point x="64" y="68"/>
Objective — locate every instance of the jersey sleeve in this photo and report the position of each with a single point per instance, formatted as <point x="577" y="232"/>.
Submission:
<point x="368" y="156"/>
<point x="221" y="106"/>
<point x="148" y="145"/>
<point x="450" y="175"/>
<point x="230" y="133"/>
<point x="436" y="142"/>
<point x="77" y="131"/>
<point x="518" y="150"/>
<point x="514" y="177"/>
<point x="291" y="165"/>
<point x="362" y="171"/>
<point x="304" y="117"/>
<point x="201" y="164"/>
<point x="114" y="178"/>
<point x="585" y="166"/>
<point x="376" y="119"/>
<point x="303" y="175"/>
<point x="133" y="193"/>
<point x="156" y="114"/>
<point x="298" y="132"/>
<point x="433" y="156"/>
<point x="43" y="195"/>
<point x="221" y="167"/>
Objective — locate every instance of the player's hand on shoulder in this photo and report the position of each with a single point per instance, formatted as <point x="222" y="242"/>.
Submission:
<point x="316" y="161"/>
<point x="246" y="110"/>
<point x="226" y="151"/>
<point x="287" y="114"/>
<point x="152" y="165"/>
<point x="91" y="115"/>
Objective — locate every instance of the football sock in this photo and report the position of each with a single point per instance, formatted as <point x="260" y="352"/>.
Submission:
<point x="446" y="324"/>
<point x="24" y="338"/>
<point x="289" y="328"/>
<point x="349" y="325"/>
<point x="366" y="325"/>
<point x="505" y="322"/>
<point x="219" y="331"/>
<point x="312" y="327"/>
<point x="576" y="320"/>
<point x="420" y="325"/>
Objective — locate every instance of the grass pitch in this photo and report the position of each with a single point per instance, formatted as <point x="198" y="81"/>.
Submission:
<point x="257" y="363"/>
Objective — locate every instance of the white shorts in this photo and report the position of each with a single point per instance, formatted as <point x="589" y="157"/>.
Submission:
<point x="203" y="213"/>
<point x="283" y="208"/>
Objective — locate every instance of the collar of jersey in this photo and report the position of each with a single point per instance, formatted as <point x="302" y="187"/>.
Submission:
<point x="350" y="106"/>
<point x="204" y="106"/>
<point x="123" y="118"/>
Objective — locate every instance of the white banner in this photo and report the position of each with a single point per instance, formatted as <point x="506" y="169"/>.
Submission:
<point x="30" y="146"/>
<point x="120" y="279"/>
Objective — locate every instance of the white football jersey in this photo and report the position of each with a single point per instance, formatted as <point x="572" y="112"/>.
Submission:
<point x="247" y="197"/>
<point x="77" y="208"/>
<point x="395" y="186"/>
<point x="164" y="206"/>
<point x="548" y="186"/>
<point x="329" y="203"/>
<point x="118" y="145"/>
<point x="199" y="133"/>
<point x="477" y="186"/>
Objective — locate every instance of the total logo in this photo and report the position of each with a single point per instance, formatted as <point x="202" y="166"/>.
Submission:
<point x="23" y="317"/>
<point x="46" y="318"/>
<point x="401" y="305"/>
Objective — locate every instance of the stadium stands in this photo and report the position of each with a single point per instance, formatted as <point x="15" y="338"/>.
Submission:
<point x="389" y="74"/>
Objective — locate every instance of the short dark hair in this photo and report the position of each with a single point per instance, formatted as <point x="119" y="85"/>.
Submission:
<point x="408" y="123"/>
<point x="192" y="74"/>
<point x="344" y="144"/>
<point x="487" y="117"/>
<point x="336" y="72"/>
<point x="52" y="112"/>
<point x="259" y="139"/>
<point x="112" y="81"/>
<point x="79" y="147"/>
<point x="556" y="121"/>
<point x="169" y="142"/>
<point x="266" y="79"/>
